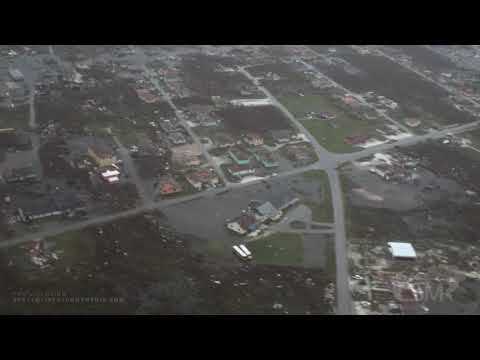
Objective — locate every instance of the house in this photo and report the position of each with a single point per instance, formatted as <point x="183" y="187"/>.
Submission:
<point x="201" y="178"/>
<point x="101" y="154"/>
<point x="402" y="250"/>
<point x="223" y="140"/>
<point x="111" y="176"/>
<point x="168" y="186"/>
<point x="281" y="136"/>
<point x="15" y="74"/>
<point x="268" y="211"/>
<point x="356" y="139"/>
<point x="239" y="156"/>
<point x="244" y="224"/>
<point x="253" y="139"/>
<point x="177" y="138"/>
<point x="146" y="96"/>
<point x="265" y="158"/>
<point x="187" y="155"/>
<point x="239" y="170"/>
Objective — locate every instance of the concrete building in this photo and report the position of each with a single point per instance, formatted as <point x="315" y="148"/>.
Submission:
<point x="402" y="250"/>
<point x="200" y="178"/>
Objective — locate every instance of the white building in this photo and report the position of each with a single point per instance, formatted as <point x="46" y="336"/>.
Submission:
<point x="402" y="250"/>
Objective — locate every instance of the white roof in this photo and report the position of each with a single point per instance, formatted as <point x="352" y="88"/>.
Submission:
<point x="113" y="179"/>
<point x="110" y="173"/>
<point x="402" y="250"/>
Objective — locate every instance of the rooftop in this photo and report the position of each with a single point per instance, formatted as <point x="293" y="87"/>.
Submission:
<point x="402" y="250"/>
<point x="267" y="209"/>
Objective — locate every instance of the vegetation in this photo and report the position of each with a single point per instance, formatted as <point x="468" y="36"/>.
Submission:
<point x="278" y="249"/>
<point x="321" y="212"/>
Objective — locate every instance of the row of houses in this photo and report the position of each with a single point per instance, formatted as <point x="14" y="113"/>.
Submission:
<point x="53" y="205"/>
<point x="254" y="218"/>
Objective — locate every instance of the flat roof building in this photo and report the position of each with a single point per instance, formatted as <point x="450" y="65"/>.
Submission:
<point x="402" y="250"/>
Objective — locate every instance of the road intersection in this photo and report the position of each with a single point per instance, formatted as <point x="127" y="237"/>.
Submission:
<point x="327" y="161"/>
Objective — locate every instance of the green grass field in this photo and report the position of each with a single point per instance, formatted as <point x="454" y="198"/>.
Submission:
<point x="284" y="249"/>
<point x="320" y="212"/>
<point x="329" y="133"/>
<point x="299" y="105"/>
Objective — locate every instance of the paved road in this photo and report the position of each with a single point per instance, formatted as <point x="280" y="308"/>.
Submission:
<point x="344" y="299"/>
<point x="327" y="161"/>
<point x="99" y="220"/>
<point x="324" y="156"/>
<point x="436" y="134"/>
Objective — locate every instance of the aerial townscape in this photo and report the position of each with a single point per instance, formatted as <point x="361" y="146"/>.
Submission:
<point x="240" y="179"/>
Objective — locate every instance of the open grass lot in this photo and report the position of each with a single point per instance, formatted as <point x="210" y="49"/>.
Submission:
<point x="329" y="137"/>
<point x="329" y="133"/>
<point x="320" y="212"/>
<point x="299" y="105"/>
<point x="278" y="249"/>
